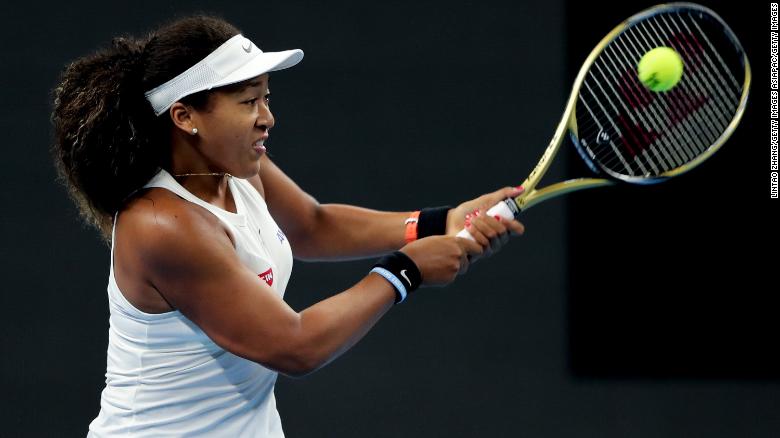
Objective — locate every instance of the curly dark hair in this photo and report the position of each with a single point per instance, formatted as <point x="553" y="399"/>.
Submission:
<point x="108" y="142"/>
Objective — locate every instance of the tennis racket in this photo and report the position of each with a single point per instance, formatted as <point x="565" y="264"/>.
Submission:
<point x="626" y="133"/>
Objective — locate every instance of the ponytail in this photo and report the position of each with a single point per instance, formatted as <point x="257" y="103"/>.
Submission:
<point x="103" y="128"/>
<point x="108" y="142"/>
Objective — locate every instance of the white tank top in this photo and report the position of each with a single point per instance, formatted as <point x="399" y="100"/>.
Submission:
<point x="164" y="376"/>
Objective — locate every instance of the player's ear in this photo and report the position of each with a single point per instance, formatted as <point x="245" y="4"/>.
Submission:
<point x="182" y="116"/>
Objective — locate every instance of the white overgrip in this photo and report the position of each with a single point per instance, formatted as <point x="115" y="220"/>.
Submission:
<point x="501" y="209"/>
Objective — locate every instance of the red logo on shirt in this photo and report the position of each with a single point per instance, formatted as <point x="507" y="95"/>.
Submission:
<point x="267" y="276"/>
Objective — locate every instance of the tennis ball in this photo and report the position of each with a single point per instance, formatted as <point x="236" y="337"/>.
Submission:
<point x="660" y="69"/>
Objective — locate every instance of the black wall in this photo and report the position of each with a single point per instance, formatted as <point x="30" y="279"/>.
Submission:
<point x="678" y="280"/>
<point x="396" y="106"/>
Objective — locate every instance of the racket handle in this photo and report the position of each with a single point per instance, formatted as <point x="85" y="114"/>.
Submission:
<point x="506" y="209"/>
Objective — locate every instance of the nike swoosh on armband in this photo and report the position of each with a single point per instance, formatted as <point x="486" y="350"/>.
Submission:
<point x="403" y="274"/>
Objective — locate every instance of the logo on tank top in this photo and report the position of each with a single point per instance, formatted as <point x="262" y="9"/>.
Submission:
<point x="267" y="276"/>
<point x="279" y="235"/>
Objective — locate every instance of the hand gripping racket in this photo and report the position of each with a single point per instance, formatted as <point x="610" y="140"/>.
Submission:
<point x="627" y="133"/>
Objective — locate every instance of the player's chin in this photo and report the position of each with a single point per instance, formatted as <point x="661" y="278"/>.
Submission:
<point x="247" y="169"/>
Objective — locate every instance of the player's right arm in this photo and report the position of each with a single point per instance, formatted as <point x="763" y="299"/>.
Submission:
<point x="188" y="256"/>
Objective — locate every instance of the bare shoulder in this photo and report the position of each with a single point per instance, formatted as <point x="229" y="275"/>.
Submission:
<point x="153" y="230"/>
<point x="161" y="214"/>
<point x="158" y="225"/>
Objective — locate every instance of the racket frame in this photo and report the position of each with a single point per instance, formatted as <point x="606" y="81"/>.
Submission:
<point x="567" y="127"/>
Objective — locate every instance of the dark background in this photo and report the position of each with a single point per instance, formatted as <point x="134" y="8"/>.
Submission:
<point x="683" y="286"/>
<point x="400" y="105"/>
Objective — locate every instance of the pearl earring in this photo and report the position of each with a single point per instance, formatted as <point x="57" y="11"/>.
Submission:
<point x="194" y="131"/>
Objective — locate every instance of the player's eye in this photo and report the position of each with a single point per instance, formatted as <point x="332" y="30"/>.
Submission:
<point x="251" y="101"/>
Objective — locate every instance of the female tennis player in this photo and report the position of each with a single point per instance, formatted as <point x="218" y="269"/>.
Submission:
<point x="160" y="141"/>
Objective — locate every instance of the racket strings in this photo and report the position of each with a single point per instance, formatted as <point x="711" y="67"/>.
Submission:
<point x="634" y="132"/>
<point x="694" y="100"/>
<point x="707" y="58"/>
<point x="650" y="127"/>
<point x="603" y="132"/>
<point x="668" y="157"/>
<point x="647" y="121"/>
<point x="702" y="131"/>
<point x="703" y="81"/>
<point x="639" y="100"/>
<point x="658" y="119"/>
<point x="674" y="110"/>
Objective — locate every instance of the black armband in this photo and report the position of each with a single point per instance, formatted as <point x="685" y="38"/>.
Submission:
<point x="401" y="272"/>
<point x="432" y="221"/>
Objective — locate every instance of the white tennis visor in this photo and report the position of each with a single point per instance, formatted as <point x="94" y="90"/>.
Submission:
<point x="238" y="59"/>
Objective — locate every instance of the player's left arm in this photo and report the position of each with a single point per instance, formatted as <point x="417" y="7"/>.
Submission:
<point x="342" y="232"/>
<point x="326" y="231"/>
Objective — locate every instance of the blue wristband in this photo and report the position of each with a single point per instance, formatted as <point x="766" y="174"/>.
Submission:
<point x="399" y="286"/>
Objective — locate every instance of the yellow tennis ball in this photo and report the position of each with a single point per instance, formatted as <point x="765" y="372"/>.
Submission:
<point x="660" y="69"/>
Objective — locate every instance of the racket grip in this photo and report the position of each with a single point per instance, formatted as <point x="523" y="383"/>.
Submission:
<point x="506" y="209"/>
